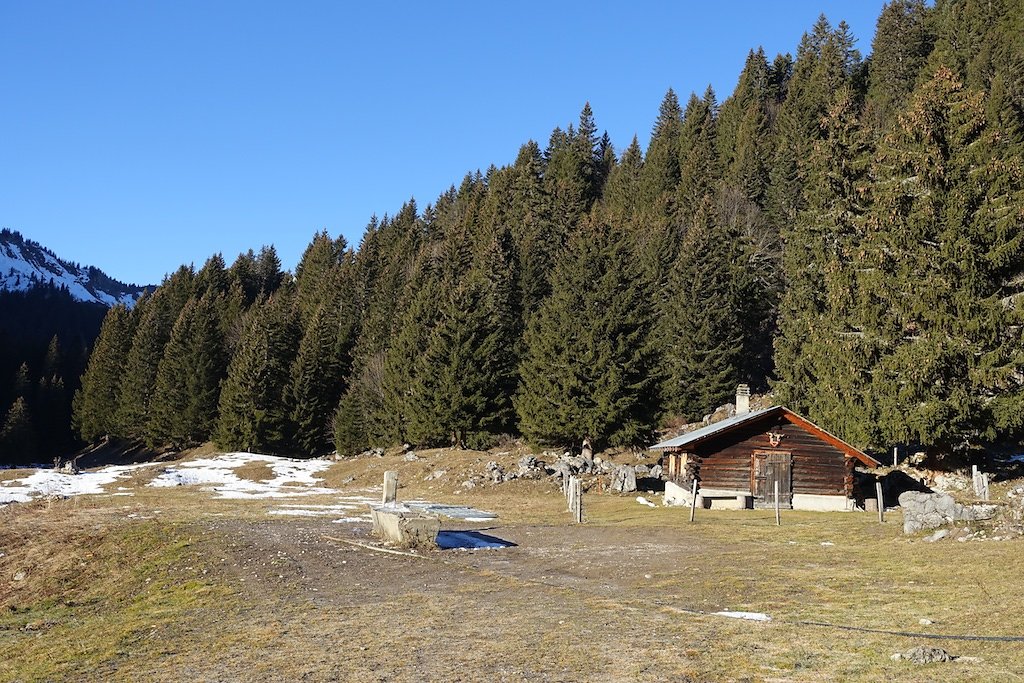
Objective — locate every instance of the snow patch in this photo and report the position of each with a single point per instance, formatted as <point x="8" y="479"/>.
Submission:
<point x="749" y="616"/>
<point x="291" y="477"/>
<point x="50" y="482"/>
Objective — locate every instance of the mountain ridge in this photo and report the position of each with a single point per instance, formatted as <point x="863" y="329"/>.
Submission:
<point x="25" y="264"/>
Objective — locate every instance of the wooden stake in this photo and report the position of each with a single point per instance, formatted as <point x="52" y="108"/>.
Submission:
<point x="578" y="501"/>
<point x="881" y="505"/>
<point x="390" y="487"/>
<point x="778" y="513"/>
<point x="693" y="500"/>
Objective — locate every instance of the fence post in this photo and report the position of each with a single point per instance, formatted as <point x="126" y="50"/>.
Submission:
<point x="577" y="510"/>
<point x="881" y="505"/>
<point x="390" y="487"/>
<point x="778" y="512"/>
<point x="693" y="500"/>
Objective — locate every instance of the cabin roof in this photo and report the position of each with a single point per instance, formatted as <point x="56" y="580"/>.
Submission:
<point x="710" y="431"/>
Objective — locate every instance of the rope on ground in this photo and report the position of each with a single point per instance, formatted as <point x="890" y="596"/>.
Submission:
<point x="910" y="634"/>
<point x="378" y="549"/>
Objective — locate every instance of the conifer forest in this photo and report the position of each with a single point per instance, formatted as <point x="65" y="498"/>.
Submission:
<point x="846" y="232"/>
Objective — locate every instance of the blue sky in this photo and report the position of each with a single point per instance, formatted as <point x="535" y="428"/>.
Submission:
<point x="136" y="136"/>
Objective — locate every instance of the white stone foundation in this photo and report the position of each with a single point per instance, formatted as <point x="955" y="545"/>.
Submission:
<point x="816" y="503"/>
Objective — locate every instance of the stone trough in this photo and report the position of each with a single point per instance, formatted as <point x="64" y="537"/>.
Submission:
<point x="404" y="527"/>
<point x="415" y="524"/>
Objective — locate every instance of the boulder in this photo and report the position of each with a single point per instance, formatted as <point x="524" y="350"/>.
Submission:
<point x="624" y="479"/>
<point x="923" y="511"/>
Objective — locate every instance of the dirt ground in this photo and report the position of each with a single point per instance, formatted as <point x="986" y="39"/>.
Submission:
<point x="173" y="586"/>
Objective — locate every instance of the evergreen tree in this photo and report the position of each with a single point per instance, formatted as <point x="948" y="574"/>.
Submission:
<point x="588" y="369"/>
<point x="253" y="414"/>
<point x="621" y="200"/>
<point x="184" y="408"/>
<point x="96" y="402"/>
<point x="821" y="351"/>
<point x="703" y="333"/>
<point x="18" y="437"/>
<point x="903" y="39"/>
<point x="463" y="381"/>
<point x="316" y="382"/>
<point x="943" y="237"/>
<point x="156" y="315"/>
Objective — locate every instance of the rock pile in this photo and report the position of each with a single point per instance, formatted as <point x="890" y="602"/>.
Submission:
<point x="923" y="511"/>
<point x="924" y="655"/>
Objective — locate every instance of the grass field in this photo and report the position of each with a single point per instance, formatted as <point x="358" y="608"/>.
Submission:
<point x="173" y="584"/>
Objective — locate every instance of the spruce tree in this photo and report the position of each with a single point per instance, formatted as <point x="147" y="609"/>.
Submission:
<point x="903" y="39"/>
<point x="156" y="315"/>
<point x="316" y="382"/>
<point x="184" y="407"/>
<point x="253" y="414"/>
<point x="463" y="380"/>
<point x="18" y="436"/>
<point x="943" y="237"/>
<point x="703" y="332"/>
<point x="96" y="402"/>
<point x="588" y="369"/>
<point x="821" y="349"/>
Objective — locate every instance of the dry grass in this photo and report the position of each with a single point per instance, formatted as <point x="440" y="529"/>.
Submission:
<point x="174" y="584"/>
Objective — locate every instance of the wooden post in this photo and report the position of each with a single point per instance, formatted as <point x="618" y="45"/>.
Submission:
<point x="895" y="455"/>
<point x="778" y="513"/>
<point x="984" y="486"/>
<point x="390" y="487"/>
<point x="693" y="500"/>
<point x="577" y="510"/>
<point x="881" y="505"/>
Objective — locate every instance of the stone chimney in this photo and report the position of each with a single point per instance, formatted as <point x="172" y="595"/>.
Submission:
<point x="742" y="399"/>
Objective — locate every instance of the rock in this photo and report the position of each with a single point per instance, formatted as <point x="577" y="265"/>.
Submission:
<point x="527" y="462"/>
<point x="469" y="484"/>
<point x="561" y="469"/>
<point x="624" y="479"/>
<point x="923" y="511"/>
<point x="924" y="655"/>
<point x="411" y="457"/>
<point x="925" y="622"/>
<point x="644" y="501"/>
<point x="20" y="576"/>
<point x="656" y="471"/>
<point x="587" y="451"/>
<point x="937" y="536"/>
<point x="642" y="470"/>
<point x="436" y="474"/>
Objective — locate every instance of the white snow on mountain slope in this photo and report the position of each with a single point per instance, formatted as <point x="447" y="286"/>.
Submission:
<point x="24" y="264"/>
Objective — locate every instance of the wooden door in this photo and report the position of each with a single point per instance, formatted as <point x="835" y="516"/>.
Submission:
<point x="766" y="468"/>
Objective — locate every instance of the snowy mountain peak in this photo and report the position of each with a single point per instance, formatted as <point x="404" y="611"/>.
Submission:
<point x="25" y="264"/>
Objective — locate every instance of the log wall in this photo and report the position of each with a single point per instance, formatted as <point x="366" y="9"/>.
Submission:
<point x="818" y="467"/>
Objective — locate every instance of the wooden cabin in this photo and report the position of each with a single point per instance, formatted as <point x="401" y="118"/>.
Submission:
<point x="737" y="461"/>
